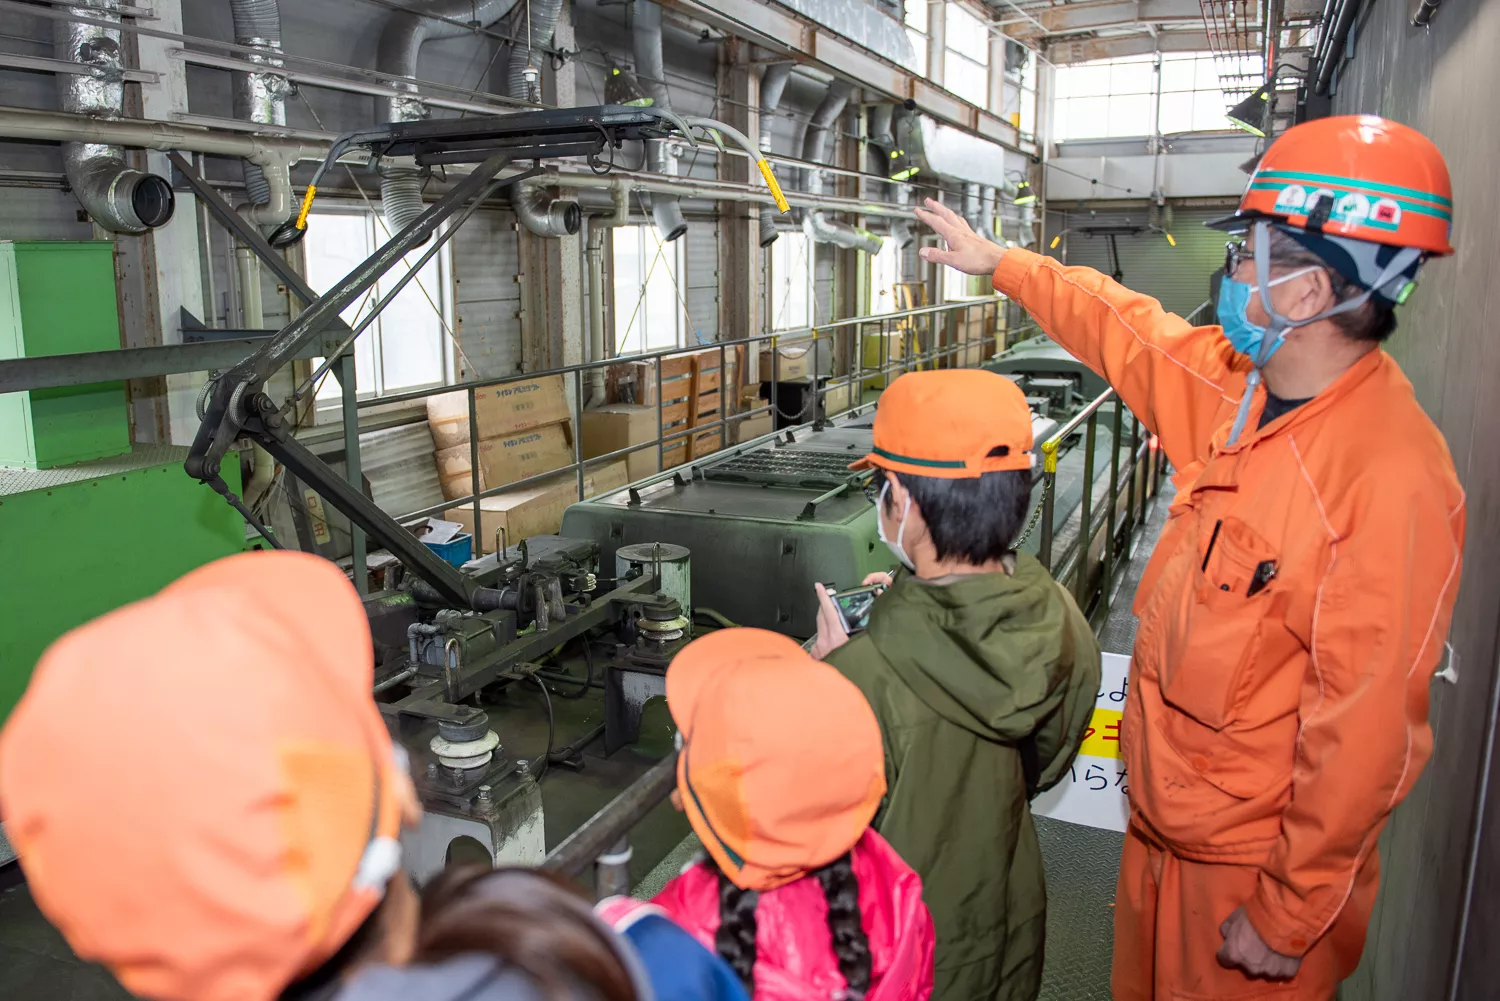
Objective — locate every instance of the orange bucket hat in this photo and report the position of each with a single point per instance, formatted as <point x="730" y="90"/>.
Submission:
<point x="782" y="767"/>
<point x="199" y="785"/>
<point x="951" y="424"/>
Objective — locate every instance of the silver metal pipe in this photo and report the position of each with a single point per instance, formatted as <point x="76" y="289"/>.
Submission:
<point x="260" y="97"/>
<point x="523" y="77"/>
<point x="595" y="256"/>
<point x="772" y="86"/>
<point x="816" y="146"/>
<point x="401" y="41"/>
<point x="543" y="214"/>
<point x="116" y="196"/>
<point x="1272" y="54"/>
<point x="650" y="71"/>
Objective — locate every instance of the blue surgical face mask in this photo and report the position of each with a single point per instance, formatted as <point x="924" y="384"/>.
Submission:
<point x="1249" y="338"/>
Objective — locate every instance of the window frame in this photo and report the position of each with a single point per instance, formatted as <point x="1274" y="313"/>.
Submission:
<point x="628" y="310"/>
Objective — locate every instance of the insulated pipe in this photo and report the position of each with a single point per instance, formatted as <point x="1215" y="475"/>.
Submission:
<point x="116" y="196"/>
<point x="772" y="86"/>
<point x="538" y="19"/>
<point x="400" y="42"/>
<point x="1333" y="54"/>
<point x="261" y="98"/>
<point x="645" y="29"/>
<point x="544" y="215"/>
<point x="988" y="209"/>
<point x="815" y="148"/>
<point x="594" y="253"/>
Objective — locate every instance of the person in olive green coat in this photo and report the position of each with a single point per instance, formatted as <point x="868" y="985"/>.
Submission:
<point x="980" y="669"/>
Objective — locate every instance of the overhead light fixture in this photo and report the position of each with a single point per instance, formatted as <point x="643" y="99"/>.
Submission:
<point x="1024" y="194"/>
<point x="622" y="87"/>
<point x="1250" y="114"/>
<point x="902" y="175"/>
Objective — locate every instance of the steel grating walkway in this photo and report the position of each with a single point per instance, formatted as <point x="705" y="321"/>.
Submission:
<point x="1081" y="862"/>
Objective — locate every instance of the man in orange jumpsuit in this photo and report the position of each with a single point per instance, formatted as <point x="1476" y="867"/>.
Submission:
<point x="1297" y="603"/>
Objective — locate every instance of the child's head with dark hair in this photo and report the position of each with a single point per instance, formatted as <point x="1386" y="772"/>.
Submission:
<point x="952" y="464"/>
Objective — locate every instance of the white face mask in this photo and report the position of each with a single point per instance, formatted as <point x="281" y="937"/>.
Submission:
<point x="895" y="547"/>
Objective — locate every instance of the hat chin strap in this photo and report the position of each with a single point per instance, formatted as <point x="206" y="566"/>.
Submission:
<point x="1276" y="330"/>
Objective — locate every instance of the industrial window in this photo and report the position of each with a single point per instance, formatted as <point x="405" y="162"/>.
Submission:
<point x="958" y="286"/>
<point x="406" y="347"/>
<point x="649" y="313"/>
<point x="790" y="287"/>
<point x="916" y="30"/>
<point x="885" y="272"/>
<point x="1115" y="98"/>
<point x="967" y="59"/>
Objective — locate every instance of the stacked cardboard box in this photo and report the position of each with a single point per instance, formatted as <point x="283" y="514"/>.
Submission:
<point x="538" y="509"/>
<point x="621" y="425"/>
<point x="523" y="429"/>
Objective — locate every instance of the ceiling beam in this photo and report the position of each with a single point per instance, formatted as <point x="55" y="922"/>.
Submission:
<point x="1088" y="49"/>
<point x="1095" y="15"/>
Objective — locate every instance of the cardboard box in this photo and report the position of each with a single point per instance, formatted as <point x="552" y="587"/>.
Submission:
<point x="747" y="428"/>
<point x="448" y="420"/>
<point x="795" y="364"/>
<point x="502" y="410"/>
<point x="620" y="425"/>
<point x="836" y="400"/>
<point x="537" y="509"/>
<point x="504" y="460"/>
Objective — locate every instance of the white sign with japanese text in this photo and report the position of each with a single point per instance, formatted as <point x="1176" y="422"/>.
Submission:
<point x="1093" y="793"/>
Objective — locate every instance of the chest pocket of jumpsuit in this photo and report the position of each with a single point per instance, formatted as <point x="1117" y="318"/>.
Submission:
<point x="1214" y="633"/>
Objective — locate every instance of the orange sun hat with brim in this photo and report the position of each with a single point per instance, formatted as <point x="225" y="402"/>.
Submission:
<point x="781" y="769"/>
<point x="951" y="424"/>
<point x="199" y="785"/>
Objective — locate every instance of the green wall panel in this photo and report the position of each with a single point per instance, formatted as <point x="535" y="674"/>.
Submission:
<point x="75" y="550"/>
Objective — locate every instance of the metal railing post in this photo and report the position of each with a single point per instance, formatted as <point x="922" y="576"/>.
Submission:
<point x="578" y="429"/>
<point x="612" y="870"/>
<point x="1049" y="491"/>
<point x="1135" y="473"/>
<point x="477" y="546"/>
<point x="775" y="382"/>
<point x="1116" y="426"/>
<point x="1086" y="510"/>
<point x="661" y="393"/>
<point x="353" y="471"/>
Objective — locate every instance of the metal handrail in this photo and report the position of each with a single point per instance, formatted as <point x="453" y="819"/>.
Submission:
<point x="858" y="375"/>
<point x="602" y="840"/>
<point x="811" y="333"/>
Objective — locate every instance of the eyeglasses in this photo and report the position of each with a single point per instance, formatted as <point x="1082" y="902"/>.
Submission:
<point x="872" y="487"/>
<point x="1236" y="254"/>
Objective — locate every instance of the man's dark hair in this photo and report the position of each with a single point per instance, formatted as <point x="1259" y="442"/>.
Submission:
<point x="1372" y="321"/>
<point x="975" y="520"/>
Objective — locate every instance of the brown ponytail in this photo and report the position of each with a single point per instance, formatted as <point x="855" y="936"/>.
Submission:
<point x="530" y="921"/>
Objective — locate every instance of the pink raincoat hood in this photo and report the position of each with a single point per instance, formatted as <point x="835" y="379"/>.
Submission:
<point x="794" y="951"/>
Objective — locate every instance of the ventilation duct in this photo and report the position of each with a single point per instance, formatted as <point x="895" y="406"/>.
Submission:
<point x="261" y="98"/>
<point x="651" y="72"/>
<point x="816" y="146"/>
<point x="534" y="23"/>
<point x="400" y="42"/>
<point x="543" y="214"/>
<point x="116" y="196"/>
<point x="927" y="148"/>
<point x="772" y="86"/>
<point x="883" y="150"/>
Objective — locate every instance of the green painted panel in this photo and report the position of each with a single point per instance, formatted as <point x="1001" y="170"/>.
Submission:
<point x="76" y="550"/>
<point x="59" y="298"/>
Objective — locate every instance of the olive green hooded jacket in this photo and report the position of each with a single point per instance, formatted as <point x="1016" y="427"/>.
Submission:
<point x="983" y="687"/>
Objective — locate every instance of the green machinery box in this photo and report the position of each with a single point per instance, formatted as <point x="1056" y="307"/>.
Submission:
<point x="78" y="542"/>
<point x="59" y="298"/>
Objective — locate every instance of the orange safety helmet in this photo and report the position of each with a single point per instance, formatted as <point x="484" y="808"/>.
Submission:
<point x="1355" y="176"/>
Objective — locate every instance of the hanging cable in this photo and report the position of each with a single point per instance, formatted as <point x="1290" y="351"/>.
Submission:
<point x="551" y="729"/>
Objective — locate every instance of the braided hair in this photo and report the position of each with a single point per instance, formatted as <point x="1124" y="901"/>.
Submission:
<point x="735" y="939"/>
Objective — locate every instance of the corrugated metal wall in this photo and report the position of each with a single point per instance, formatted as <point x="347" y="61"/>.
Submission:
<point x="702" y="280"/>
<point x="488" y="295"/>
<point x="1440" y="80"/>
<point x="1178" y="277"/>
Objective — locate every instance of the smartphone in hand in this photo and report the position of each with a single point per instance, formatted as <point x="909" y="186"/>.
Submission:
<point x="854" y="606"/>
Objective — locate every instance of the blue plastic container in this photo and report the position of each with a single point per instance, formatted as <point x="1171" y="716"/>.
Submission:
<point x="457" y="550"/>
